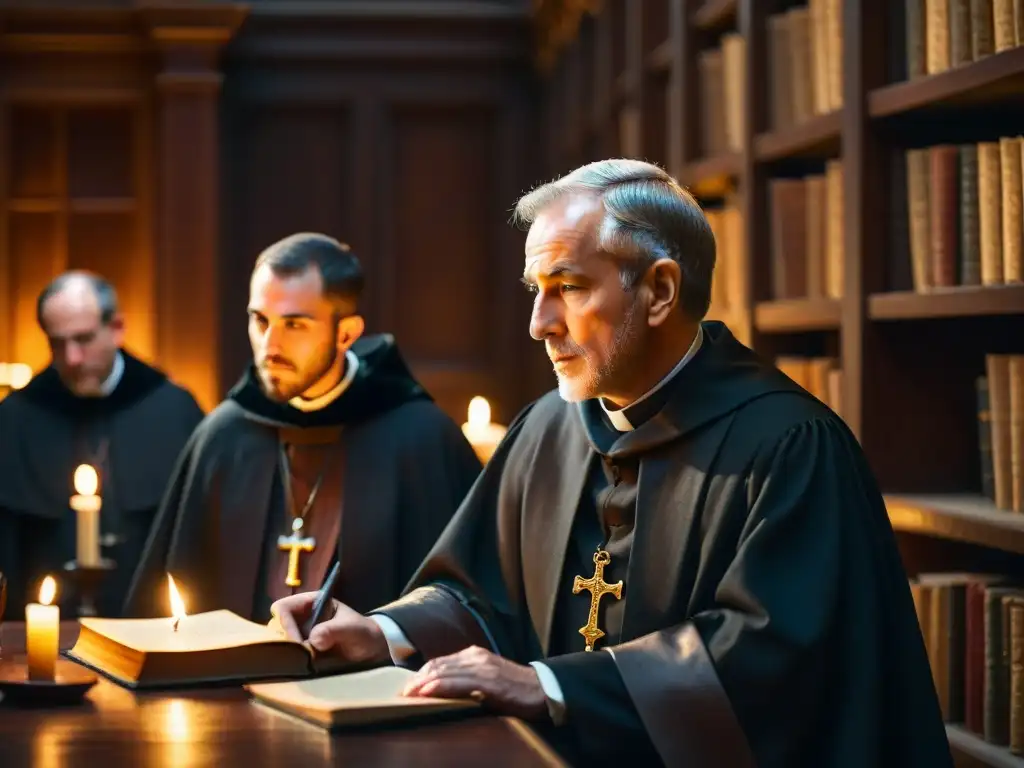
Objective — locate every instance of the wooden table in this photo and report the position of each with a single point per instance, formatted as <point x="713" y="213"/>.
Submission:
<point x="116" y="727"/>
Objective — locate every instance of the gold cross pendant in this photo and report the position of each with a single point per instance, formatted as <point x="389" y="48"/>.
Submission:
<point x="293" y="545"/>
<point x="597" y="587"/>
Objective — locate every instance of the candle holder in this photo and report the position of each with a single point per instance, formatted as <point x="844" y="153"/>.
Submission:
<point x="88" y="579"/>
<point x="69" y="685"/>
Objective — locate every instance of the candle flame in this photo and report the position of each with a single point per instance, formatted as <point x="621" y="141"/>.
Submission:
<point x="86" y="480"/>
<point x="479" y="412"/>
<point x="177" y="604"/>
<point x="47" y="591"/>
<point x="18" y="375"/>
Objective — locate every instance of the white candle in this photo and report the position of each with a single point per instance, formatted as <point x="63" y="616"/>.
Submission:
<point x="42" y="633"/>
<point x="87" y="504"/>
<point x="481" y="433"/>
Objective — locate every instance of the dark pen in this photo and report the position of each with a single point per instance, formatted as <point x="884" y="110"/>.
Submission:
<point x="323" y="599"/>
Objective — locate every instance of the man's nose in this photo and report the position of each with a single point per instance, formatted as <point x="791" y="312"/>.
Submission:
<point x="73" y="355"/>
<point x="547" y="319"/>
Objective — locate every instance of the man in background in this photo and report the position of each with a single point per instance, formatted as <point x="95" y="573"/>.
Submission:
<point x="95" y="404"/>
<point x="326" y="450"/>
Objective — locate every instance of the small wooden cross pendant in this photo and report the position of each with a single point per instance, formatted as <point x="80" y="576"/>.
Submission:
<point x="293" y="545"/>
<point x="597" y="587"/>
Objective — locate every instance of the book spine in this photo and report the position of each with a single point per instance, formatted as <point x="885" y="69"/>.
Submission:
<point x="988" y="486"/>
<point x="997" y="703"/>
<point x="970" y="234"/>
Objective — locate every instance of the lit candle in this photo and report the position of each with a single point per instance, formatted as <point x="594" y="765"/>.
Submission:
<point x="42" y="632"/>
<point x="177" y="604"/>
<point x="86" y="504"/>
<point x="482" y="434"/>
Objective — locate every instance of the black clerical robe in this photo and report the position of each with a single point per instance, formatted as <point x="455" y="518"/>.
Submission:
<point x="132" y="437"/>
<point x="765" y="616"/>
<point x="392" y="466"/>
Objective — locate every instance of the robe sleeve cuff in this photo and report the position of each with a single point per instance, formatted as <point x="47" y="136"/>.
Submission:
<point x="435" y="622"/>
<point x="552" y="691"/>
<point x="686" y="712"/>
<point x="399" y="647"/>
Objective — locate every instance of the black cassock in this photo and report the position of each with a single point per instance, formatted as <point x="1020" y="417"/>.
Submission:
<point x="393" y="469"/>
<point x="132" y="437"/>
<point x="765" y="617"/>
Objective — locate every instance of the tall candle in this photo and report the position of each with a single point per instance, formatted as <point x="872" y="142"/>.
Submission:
<point x="86" y="503"/>
<point x="481" y="433"/>
<point x="42" y="632"/>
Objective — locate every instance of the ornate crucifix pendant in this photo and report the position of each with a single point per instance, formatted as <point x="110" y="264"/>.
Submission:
<point x="294" y="545"/>
<point x="597" y="587"/>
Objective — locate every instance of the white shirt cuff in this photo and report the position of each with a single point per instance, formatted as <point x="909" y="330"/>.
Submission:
<point x="552" y="690"/>
<point x="398" y="644"/>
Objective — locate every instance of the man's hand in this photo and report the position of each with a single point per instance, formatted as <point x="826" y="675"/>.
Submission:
<point x="347" y="634"/>
<point x="501" y="685"/>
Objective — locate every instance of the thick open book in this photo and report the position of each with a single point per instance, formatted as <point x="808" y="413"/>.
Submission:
<point x="370" y="697"/>
<point x="207" y="648"/>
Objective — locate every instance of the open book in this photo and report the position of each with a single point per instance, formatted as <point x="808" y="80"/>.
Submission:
<point x="370" y="697"/>
<point x="207" y="648"/>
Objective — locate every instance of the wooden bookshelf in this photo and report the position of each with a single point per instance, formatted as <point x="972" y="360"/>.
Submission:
<point x="969" y="751"/>
<point x="966" y="518"/>
<point x="911" y="347"/>
<point x="816" y="137"/>
<point x="798" y="315"/>
<point x="957" y="301"/>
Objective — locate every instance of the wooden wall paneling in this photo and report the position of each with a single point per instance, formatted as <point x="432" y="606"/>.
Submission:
<point x="189" y="41"/>
<point x="632" y="82"/>
<point x="437" y="259"/>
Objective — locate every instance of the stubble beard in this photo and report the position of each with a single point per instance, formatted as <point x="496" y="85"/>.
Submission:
<point x="593" y="382"/>
<point x="281" y="392"/>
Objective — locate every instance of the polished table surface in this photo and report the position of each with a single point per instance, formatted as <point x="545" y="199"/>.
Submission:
<point x="115" y="727"/>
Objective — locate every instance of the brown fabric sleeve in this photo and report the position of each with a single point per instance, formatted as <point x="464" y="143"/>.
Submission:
<point x="435" y="622"/>
<point x="677" y="693"/>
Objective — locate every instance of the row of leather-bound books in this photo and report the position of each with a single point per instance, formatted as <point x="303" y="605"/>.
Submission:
<point x="965" y="216"/>
<point x="944" y="34"/>
<point x="805" y="75"/>
<point x="1000" y="395"/>
<point x="973" y="629"/>
<point x="806" y="223"/>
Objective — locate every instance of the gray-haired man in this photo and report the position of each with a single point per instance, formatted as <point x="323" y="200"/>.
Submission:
<point x="680" y="557"/>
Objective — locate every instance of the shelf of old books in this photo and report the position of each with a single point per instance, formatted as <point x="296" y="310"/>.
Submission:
<point x="864" y="183"/>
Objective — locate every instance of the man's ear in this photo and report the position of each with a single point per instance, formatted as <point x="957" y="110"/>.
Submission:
<point x="349" y="330"/>
<point x="663" y="280"/>
<point x="116" y="326"/>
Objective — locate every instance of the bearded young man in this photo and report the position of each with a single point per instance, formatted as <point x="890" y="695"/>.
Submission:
<point x="327" y="449"/>
<point x="753" y="607"/>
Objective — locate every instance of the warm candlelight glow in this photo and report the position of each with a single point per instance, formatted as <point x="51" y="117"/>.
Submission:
<point x="42" y="632"/>
<point x="16" y="375"/>
<point x="47" y="591"/>
<point x="481" y="432"/>
<point x="87" y="504"/>
<point x="177" y="604"/>
<point x="86" y="480"/>
<point x="479" y="412"/>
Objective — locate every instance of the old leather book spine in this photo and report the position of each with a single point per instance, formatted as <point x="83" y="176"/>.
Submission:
<point x="944" y="209"/>
<point x="1016" y="619"/>
<point x="960" y="49"/>
<point x="997" y="695"/>
<point x="1012" y="213"/>
<point x="997" y="368"/>
<point x="974" y="668"/>
<point x="917" y="61"/>
<point x="970" y="233"/>
<point x="990" y="212"/>
<point x="956" y="658"/>
<point x="982" y="36"/>
<point x="988" y="487"/>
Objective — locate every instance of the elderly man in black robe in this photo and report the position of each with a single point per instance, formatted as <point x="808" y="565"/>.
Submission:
<point x="680" y="557"/>
<point x="99" y="405"/>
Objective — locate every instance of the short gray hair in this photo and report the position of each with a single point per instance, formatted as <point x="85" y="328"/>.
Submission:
<point x="649" y="216"/>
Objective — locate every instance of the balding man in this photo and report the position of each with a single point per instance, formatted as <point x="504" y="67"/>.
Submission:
<point x="94" y="404"/>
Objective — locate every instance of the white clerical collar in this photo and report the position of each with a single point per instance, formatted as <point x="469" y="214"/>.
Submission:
<point x="618" y="416"/>
<point x="116" y="372"/>
<point x="315" y="404"/>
